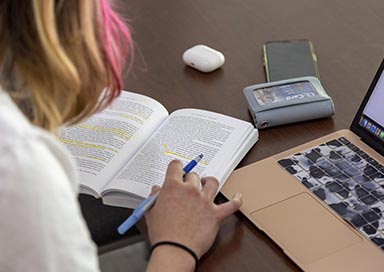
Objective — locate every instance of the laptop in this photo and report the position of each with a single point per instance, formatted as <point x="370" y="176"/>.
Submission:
<point x="323" y="202"/>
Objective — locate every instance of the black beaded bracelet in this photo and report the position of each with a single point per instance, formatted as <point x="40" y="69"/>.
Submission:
<point x="170" y="243"/>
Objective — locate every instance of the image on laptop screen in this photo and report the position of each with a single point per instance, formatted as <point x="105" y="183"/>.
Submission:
<point x="372" y="118"/>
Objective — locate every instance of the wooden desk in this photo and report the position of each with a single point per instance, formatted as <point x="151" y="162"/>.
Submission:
<point x="349" y="42"/>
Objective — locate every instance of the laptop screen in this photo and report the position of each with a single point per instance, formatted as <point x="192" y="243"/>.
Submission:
<point x="372" y="118"/>
<point x="369" y="121"/>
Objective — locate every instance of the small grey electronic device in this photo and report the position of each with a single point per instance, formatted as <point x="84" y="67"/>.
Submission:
<point x="288" y="101"/>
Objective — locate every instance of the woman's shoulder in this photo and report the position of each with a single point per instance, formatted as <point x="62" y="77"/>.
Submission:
<point x="12" y="121"/>
<point x="25" y="147"/>
<point x="38" y="197"/>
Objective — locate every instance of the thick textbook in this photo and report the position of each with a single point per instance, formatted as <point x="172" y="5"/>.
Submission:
<point x="124" y="150"/>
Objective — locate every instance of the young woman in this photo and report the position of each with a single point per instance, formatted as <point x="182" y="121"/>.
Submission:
<point x="56" y="58"/>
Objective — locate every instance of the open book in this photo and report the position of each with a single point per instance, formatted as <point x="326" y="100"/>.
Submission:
<point x="124" y="150"/>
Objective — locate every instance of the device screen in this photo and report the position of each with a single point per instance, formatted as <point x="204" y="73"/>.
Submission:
<point x="372" y="118"/>
<point x="289" y="59"/>
<point x="284" y="92"/>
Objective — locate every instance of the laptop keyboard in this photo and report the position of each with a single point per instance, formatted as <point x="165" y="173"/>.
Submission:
<point x="347" y="180"/>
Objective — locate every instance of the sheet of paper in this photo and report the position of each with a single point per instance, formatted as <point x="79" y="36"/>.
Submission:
<point x="105" y="142"/>
<point x="186" y="134"/>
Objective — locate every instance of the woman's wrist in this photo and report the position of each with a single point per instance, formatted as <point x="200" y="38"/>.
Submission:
<point x="168" y="257"/>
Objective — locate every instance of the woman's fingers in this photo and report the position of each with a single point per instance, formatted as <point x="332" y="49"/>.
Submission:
<point x="229" y="207"/>
<point x="192" y="178"/>
<point x="174" y="173"/>
<point x="154" y="190"/>
<point x="210" y="186"/>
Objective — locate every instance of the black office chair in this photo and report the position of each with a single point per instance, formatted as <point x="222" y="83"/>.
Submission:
<point x="103" y="220"/>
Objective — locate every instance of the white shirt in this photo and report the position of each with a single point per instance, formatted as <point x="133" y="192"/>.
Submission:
<point x="41" y="225"/>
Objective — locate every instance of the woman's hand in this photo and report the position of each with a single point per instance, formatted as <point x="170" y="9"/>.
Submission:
<point x="184" y="213"/>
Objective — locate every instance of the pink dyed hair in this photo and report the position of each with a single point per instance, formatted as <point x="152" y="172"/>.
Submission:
<point x="64" y="54"/>
<point x="118" y="43"/>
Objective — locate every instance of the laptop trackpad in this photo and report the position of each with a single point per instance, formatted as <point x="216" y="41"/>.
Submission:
<point x="304" y="228"/>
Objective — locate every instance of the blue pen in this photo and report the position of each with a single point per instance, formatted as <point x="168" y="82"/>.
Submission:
<point x="147" y="203"/>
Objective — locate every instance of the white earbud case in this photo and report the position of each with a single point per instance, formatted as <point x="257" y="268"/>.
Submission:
<point x="203" y="58"/>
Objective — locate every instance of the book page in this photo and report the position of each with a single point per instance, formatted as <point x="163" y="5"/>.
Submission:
<point x="105" y="142"/>
<point x="186" y="134"/>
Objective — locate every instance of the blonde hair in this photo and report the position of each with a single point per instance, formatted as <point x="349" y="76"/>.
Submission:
<point x="64" y="56"/>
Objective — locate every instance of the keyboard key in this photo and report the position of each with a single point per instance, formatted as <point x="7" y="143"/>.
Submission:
<point x="334" y="143"/>
<point x="352" y="201"/>
<point x="343" y="165"/>
<point x="378" y="193"/>
<point x="370" y="216"/>
<point x="372" y="162"/>
<point x="293" y="169"/>
<point x="377" y="177"/>
<point x="356" y="160"/>
<point x="324" y="164"/>
<point x="310" y="183"/>
<point x="368" y="230"/>
<point x="369" y="186"/>
<point x="358" y="221"/>
<point x="349" y="185"/>
<point x="360" y="164"/>
<point x="334" y="186"/>
<point x="344" y="140"/>
<point x="353" y="147"/>
<point x="333" y="171"/>
<point x="352" y="171"/>
<point x="312" y="155"/>
<point x="352" y="157"/>
<point x="325" y="195"/>
<point x="286" y="162"/>
<point x="325" y="179"/>
<point x="334" y="157"/>
<point x="378" y="240"/>
<point x="343" y="177"/>
<point x="369" y="170"/>
<point x="379" y="225"/>
<point x="341" y="208"/>
<point x="369" y="200"/>
<point x="320" y="193"/>
<point x="378" y="208"/>
<point x="301" y="175"/>
<point x="361" y="178"/>
<point x="343" y="194"/>
<point x="360" y="207"/>
<point x="343" y="151"/>
<point x="302" y="161"/>
<point x="316" y="172"/>
<point x="324" y="150"/>
<point x="362" y="154"/>
<point x="360" y="192"/>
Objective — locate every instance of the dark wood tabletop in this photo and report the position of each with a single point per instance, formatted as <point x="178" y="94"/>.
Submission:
<point x="348" y="38"/>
